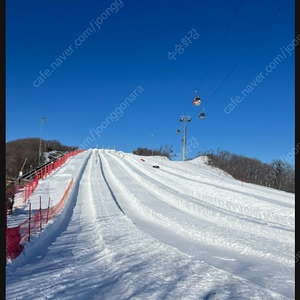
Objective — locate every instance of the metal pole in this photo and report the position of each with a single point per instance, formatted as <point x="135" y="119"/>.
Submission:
<point x="29" y="219"/>
<point x="40" y="213"/>
<point x="40" y="147"/>
<point x="184" y="119"/>
<point x="184" y="141"/>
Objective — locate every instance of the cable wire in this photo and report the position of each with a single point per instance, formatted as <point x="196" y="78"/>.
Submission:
<point x="238" y="62"/>
<point x="216" y="53"/>
<point x="218" y="49"/>
<point x="257" y="37"/>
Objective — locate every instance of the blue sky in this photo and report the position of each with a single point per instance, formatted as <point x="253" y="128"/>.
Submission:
<point x="100" y="73"/>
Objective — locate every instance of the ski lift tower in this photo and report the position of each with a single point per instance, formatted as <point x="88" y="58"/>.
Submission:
<point x="184" y="119"/>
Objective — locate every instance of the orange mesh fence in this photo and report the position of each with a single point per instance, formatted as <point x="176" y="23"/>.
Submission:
<point x="47" y="170"/>
<point x="30" y="187"/>
<point x="17" y="237"/>
<point x="24" y="191"/>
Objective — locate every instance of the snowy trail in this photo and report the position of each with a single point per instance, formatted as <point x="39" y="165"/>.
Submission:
<point x="92" y="250"/>
<point x="203" y="202"/>
<point x="199" y="172"/>
<point x="158" y="205"/>
<point x="257" y="194"/>
<point x="234" y="200"/>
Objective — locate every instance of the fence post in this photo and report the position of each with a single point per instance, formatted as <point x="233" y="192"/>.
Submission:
<point x="29" y="218"/>
<point x="40" y="213"/>
<point x="51" y="211"/>
<point x="48" y="210"/>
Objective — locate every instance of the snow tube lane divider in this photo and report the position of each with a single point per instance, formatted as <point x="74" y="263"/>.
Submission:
<point x="111" y="192"/>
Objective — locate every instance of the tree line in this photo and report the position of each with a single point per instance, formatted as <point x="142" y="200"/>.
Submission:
<point x="161" y="151"/>
<point x="278" y="174"/>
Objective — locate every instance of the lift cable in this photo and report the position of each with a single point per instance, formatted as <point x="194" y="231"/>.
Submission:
<point x="234" y="67"/>
<point x="218" y="49"/>
<point x="250" y="46"/>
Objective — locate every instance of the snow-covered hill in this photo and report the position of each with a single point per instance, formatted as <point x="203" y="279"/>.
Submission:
<point x="132" y="231"/>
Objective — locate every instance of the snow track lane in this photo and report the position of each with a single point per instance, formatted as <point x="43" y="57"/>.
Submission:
<point x="119" y="261"/>
<point x="151" y="269"/>
<point x="154" y="206"/>
<point x="232" y="188"/>
<point x="220" y="179"/>
<point x="201" y="206"/>
<point x="112" y="194"/>
<point x="232" y="199"/>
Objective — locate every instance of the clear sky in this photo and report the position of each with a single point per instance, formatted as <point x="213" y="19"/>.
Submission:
<point x="101" y="74"/>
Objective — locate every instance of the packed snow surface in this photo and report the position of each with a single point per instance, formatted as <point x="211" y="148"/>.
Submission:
<point x="131" y="231"/>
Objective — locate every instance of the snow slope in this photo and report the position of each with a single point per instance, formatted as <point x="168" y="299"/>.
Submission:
<point x="131" y="231"/>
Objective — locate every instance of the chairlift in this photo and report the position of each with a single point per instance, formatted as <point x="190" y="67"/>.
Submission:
<point x="197" y="100"/>
<point x="202" y="115"/>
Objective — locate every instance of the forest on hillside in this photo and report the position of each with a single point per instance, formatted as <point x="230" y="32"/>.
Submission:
<point x="23" y="154"/>
<point x="278" y="174"/>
